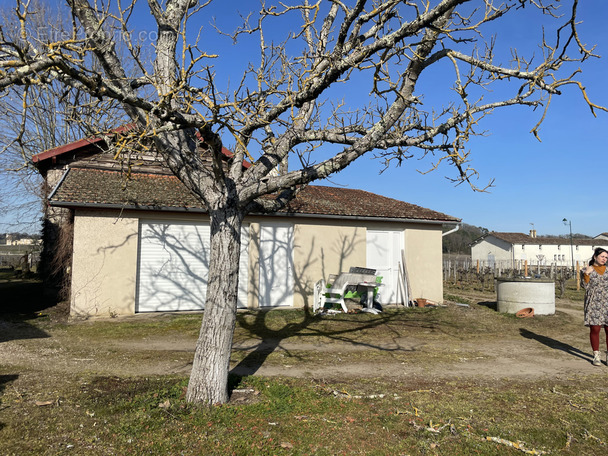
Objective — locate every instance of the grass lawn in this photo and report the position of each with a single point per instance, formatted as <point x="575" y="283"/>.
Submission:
<point x="50" y="408"/>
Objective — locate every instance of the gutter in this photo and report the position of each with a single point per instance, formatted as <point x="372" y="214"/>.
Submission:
<point x="357" y="217"/>
<point x="204" y="211"/>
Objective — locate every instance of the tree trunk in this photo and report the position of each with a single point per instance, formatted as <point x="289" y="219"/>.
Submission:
<point x="209" y="378"/>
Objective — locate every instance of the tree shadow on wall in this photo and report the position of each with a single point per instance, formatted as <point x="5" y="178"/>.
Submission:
<point x="177" y="267"/>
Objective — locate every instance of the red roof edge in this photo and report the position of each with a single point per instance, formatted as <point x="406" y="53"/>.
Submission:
<point x="230" y="154"/>
<point x="50" y="153"/>
<point x="81" y="143"/>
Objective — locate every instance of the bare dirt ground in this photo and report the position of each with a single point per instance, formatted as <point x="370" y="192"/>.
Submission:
<point x="525" y="351"/>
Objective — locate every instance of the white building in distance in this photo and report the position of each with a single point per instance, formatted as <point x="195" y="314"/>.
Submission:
<point x="12" y="240"/>
<point x="513" y="250"/>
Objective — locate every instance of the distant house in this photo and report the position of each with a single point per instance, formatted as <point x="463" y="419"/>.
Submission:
<point x="142" y="244"/>
<point x="512" y="250"/>
<point x="11" y="240"/>
<point x="601" y="236"/>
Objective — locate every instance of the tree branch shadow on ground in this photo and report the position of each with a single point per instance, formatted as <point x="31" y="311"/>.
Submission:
<point x="555" y="344"/>
<point x="269" y="340"/>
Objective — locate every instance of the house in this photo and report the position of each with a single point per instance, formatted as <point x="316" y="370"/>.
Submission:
<point x="13" y="240"/>
<point x="140" y="244"/>
<point x="513" y="250"/>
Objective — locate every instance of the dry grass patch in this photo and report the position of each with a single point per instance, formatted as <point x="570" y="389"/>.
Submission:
<point x="407" y="381"/>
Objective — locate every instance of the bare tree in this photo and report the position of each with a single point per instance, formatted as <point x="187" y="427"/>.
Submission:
<point x="294" y="98"/>
<point x="39" y="117"/>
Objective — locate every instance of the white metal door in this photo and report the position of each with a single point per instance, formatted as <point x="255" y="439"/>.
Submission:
<point x="174" y="266"/>
<point x="244" y="267"/>
<point x="276" y="265"/>
<point x="383" y="254"/>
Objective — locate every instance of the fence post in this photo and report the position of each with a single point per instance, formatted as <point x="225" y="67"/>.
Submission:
<point x="578" y="274"/>
<point x="526" y="268"/>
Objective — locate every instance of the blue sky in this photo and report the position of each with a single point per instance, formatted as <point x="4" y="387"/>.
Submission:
<point x="536" y="184"/>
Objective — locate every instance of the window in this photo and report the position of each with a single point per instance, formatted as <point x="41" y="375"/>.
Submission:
<point x="540" y="247"/>
<point x="559" y="247"/>
<point x="554" y="257"/>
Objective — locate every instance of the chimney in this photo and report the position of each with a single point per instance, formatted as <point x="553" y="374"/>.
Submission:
<point x="532" y="233"/>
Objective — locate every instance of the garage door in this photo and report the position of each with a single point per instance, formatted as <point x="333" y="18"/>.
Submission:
<point x="174" y="266"/>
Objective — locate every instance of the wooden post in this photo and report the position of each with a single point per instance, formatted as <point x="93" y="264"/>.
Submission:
<point x="526" y="268"/>
<point x="578" y="274"/>
<point x="477" y="266"/>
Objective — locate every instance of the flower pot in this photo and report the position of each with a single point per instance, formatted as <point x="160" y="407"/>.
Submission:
<point x="528" y="312"/>
<point x="421" y="302"/>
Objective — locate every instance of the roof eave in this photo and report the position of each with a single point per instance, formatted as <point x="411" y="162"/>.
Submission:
<point x="74" y="205"/>
<point x="137" y="207"/>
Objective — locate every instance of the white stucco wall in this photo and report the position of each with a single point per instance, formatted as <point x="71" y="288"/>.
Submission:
<point x="324" y="247"/>
<point x="104" y="264"/>
<point x="104" y="267"/>
<point x="491" y="247"/>
<point x="424" y="261"/>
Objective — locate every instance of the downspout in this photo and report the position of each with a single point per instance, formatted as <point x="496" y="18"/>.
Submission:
<point x="451" y="231"/>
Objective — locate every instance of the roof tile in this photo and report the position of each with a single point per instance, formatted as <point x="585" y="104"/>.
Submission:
<point x="521" y="238"/>
<point x="84" y="186"/>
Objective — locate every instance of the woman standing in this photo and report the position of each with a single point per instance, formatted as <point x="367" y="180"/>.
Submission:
<point x="595" y="283"/>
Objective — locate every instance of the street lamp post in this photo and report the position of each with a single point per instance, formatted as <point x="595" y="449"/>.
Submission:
<point x="569" y="223"/>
